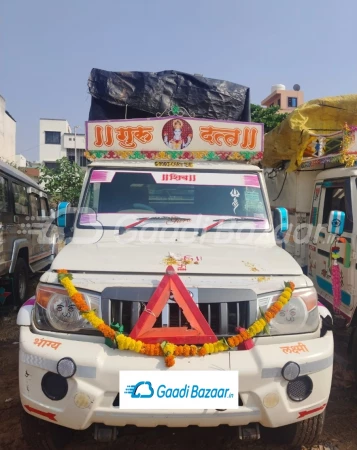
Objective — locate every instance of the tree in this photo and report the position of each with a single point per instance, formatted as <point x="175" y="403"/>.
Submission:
<point x="64" y="183"/>
<point x="270" y="116"/>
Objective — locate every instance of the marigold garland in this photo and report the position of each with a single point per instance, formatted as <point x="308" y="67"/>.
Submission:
<point x="167" y="349"/>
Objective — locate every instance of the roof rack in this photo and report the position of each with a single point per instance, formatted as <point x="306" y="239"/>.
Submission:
<point x="174" y="138"/>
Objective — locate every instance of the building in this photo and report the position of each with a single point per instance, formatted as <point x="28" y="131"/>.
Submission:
<point x="32" y="172"/>
<point x="287" y="100"/>
<point x="57" y="141"/>
<point x="7" y="134"/>
<point x="20" y="161"/>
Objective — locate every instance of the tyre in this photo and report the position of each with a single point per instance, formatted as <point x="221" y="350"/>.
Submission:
<point x="41" y="435"/>
<point x="20" y="282"/>
<point x="305" y="433"/>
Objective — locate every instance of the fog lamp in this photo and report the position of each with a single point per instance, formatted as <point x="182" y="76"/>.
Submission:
<point x="300" y="389"/>
<point x="290" y="371"/>
<point x="66" y="367"/>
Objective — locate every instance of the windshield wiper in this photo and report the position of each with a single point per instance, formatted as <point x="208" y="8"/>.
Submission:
<point x="233" y="219"/>
<point x="173" y="219"/>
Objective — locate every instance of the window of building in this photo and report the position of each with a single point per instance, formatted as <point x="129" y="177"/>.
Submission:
<point x="21" y="199"/>
<point x="279" y="103"/>
<point x="50" y="165"/>
<point x="83" y="161"/>
<point x="70" y="155"/>
<point x="52" y="137"/>
<point x="292" y="102"/>
<point x="4" y="195"/>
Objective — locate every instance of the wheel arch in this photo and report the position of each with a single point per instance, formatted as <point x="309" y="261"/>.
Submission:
<point x="19" y="249"/>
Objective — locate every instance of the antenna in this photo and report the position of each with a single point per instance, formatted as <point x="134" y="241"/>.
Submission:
<point x="296" y="87"/>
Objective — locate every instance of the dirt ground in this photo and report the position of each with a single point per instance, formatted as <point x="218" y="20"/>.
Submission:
<point x="340" y="427"/>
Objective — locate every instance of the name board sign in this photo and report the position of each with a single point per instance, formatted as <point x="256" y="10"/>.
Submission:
<point x="169" y="138"/>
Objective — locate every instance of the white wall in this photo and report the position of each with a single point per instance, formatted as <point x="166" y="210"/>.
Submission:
<point x="68" y="141"/>
<point x="52" y="152"/>
<point x="7" y="134"/>
<point x="20" y="161"/>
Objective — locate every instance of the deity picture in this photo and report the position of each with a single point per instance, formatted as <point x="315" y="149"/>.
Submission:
<point x="177" y="134"/>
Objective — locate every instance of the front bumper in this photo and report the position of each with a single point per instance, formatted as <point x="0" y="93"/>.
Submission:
<point x="95" y="386"/>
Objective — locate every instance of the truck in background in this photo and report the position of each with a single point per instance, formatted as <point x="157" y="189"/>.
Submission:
<point x="310" y="172"/>
<point x="28" y="239"/>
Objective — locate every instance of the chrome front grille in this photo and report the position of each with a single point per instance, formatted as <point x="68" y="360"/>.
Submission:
<point x="224" y="309"/>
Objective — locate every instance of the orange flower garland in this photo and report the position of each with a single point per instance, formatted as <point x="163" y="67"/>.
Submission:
<point x="170" y="351"/>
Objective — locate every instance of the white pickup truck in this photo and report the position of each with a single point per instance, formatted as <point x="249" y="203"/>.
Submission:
<point x="172" y="206"/>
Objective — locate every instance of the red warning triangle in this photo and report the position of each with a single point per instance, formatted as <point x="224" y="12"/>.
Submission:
<point x="200" y="331"/>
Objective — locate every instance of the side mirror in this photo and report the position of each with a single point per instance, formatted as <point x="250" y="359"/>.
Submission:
<point x="336" y="222"/>
<point x="281" y="220"/>
<point x="281" y="223"/>
<point x="65" y="215"/>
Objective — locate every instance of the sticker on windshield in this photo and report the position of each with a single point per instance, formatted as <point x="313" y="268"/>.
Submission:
<point x="253" y="202"/>
<point x="235" y="194"/>
<point x="102" y="176"/>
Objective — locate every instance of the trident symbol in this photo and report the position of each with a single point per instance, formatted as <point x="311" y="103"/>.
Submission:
<point x="235" y="194"/>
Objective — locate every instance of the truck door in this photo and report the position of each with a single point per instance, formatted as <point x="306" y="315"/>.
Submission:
<point x="47" y="229"/>
<point x="6" y="222"/>
<point x="35" y="226"/>
<point x="314" y="221"/>
<point x="20" y="218"/>
<point x="335" y="195"/>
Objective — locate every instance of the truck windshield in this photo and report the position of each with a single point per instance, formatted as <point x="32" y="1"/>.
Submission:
<point x="175" y="197"/>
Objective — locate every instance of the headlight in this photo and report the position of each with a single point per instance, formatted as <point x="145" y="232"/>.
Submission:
<point x="299" y="315"/>
<point x="54" y="310"/>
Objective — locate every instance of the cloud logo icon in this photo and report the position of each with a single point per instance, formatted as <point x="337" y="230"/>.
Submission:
<point x="143" y="389"/>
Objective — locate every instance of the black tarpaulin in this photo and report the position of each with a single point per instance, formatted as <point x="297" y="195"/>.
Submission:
<point x="133" y="95"/>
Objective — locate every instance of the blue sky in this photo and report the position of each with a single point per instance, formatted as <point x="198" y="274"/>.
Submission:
<point x="47" y="49"/>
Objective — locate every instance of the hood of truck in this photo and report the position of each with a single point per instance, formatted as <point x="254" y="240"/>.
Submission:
<point x="205" y="259"/>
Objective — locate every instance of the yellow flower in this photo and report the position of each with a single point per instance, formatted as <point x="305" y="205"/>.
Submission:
<point x="132" y="345"/>
<point x="120" y="341"/>
<point x="221" y="346"/>
<point x="68" y="285"/>
<point x="92" y="318"/>
<point x="169" y="349"/>
<point x="126" y="343"/>
<point x="138" y="346"/>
